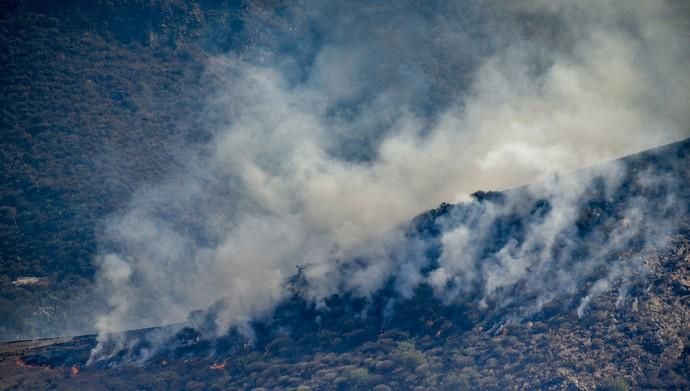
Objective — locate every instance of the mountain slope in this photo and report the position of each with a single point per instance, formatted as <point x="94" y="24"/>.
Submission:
<point x="391" y="341"/>
<point x="97" y="98"/>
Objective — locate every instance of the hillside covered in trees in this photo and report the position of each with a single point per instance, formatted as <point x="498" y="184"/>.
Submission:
<point x="220" y="194"/>
<point x="420" y="342"/>
<point x="97" y="98"/>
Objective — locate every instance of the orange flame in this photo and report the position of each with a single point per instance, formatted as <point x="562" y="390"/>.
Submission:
<point x="21" y="363"/>
<point x="74" y="370"/>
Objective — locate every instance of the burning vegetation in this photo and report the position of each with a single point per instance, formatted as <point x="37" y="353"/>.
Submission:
<point x="392" y="342"/>
<point x="260" y="160"/>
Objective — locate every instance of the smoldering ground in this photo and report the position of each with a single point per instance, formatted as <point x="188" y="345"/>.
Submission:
<point x="344" y="121"/>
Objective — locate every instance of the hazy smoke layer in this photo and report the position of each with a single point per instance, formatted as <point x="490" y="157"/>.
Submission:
<point x="347" y="119"/>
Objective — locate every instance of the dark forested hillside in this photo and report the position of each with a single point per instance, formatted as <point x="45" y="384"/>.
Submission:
<point x="96" y="98"/>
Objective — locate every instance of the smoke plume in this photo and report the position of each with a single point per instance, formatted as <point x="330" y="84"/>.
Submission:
<point x="345" y="120"/>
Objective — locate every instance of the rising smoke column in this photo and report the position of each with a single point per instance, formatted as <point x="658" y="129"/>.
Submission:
<point x="344" y="121"/>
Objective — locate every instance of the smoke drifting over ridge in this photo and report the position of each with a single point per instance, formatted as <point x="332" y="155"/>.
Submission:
<point x="345" y="121"/>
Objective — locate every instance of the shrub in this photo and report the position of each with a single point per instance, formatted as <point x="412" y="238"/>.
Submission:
<point x="456" y="382"/>
<point x="407" y="355"/>
<point x="384" y="365"/>
<point x="359" y="377"/>
<point x="616" y="384"/>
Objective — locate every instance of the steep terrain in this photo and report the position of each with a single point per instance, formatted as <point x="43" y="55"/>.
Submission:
<point x="386" y="342"/>
<point x="96" y="99"/>
<point x="581" y="281"/>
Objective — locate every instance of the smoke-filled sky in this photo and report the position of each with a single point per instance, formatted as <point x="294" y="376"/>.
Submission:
<point x="343" y="120"/>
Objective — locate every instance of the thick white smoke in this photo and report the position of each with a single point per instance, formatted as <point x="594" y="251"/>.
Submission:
<point x="345" y="121"/>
